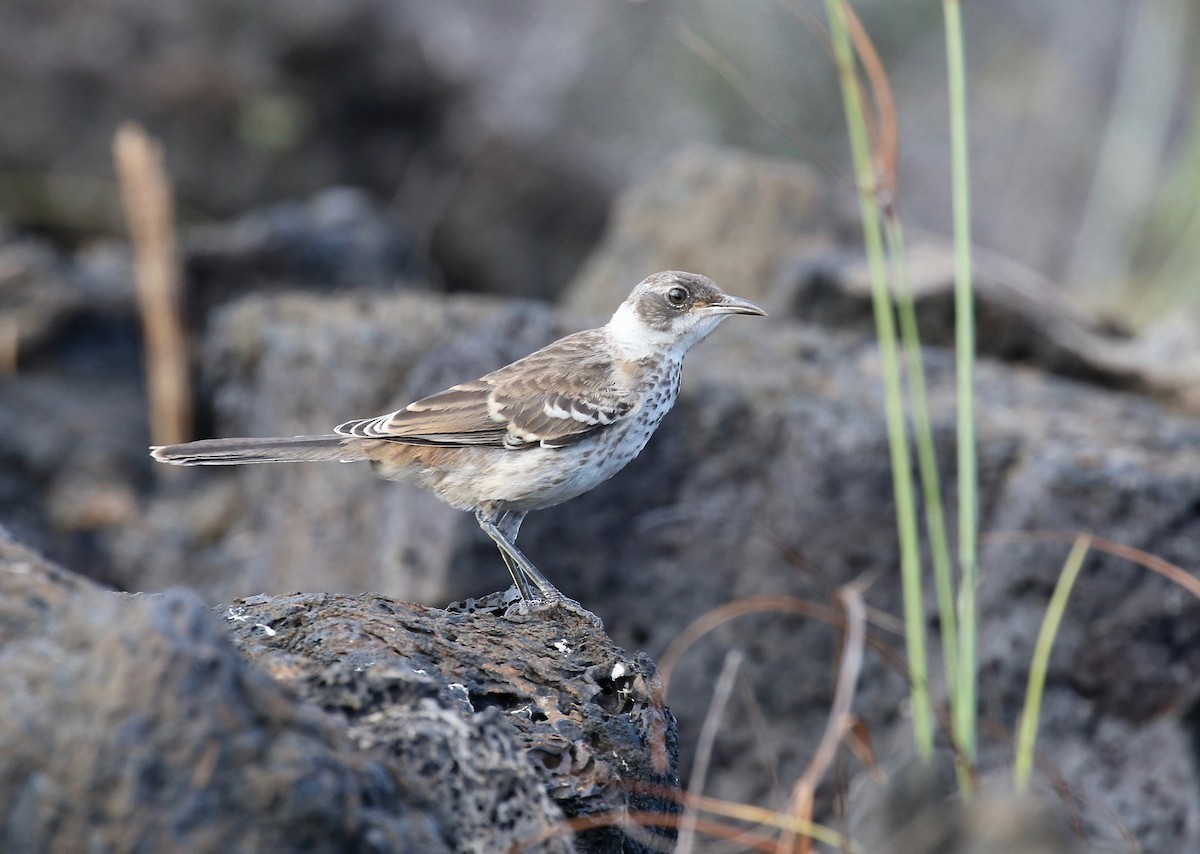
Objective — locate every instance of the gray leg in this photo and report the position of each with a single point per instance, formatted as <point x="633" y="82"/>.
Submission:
<point x="517" y="576"/>
<point x="509" y="524"/>
<point x="502" y="528"/>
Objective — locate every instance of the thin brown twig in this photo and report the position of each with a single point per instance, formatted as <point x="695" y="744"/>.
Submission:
<point x="767" y="749"/>
<point x="714" y="59"/>
<point x="883" y="130"/>
<point x="1145" y="559"/>
<point x="814" y="23"/>
<point x="714" y="806"/>
<point x="840" y="717"/>
<point x="704" y="747"/>
<point x="717" y="617"/>
<point x="758" y="725"/>
<point x="150" y="212"/>
<point x="858" y="739"/>
<point x="10" y="340"/>
<point x="618" y="818"/>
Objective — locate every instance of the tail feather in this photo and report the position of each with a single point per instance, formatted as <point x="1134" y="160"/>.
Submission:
<point x="231" y="452"/>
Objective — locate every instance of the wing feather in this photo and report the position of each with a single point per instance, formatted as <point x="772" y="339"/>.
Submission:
<point x="554" y="397"/>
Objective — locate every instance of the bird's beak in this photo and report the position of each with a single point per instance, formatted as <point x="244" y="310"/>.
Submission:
<point x="733" y="305"/>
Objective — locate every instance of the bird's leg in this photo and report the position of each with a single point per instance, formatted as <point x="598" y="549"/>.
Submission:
<point x="502" y="529"/>
<point x="508" y="529"/>
<point x="515" y="573"/>
<point x="509" y="523"/>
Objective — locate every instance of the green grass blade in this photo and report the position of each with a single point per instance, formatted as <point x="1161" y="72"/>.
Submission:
<point x="885" y="327"/>
<point x="931" y="488"/>
<point x="1027" y="731"/>
<point x="964" y="704"/>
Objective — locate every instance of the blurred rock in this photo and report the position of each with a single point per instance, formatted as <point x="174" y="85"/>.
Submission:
<point x="251" y="107"/>
<point x="46" y="293"/>
<point x="735" y="217"/>
<point x="1020" y="317"/>
<point x="921" y="812"/>
<point x="278" y="103"/>
<point x="73" y="414"/>
<point x="72" y="410"/>
<point x="338" y="239"/>
<point x="131" y="722"/>
<point x="330" y="724"/>
<point x="506" y="130"/>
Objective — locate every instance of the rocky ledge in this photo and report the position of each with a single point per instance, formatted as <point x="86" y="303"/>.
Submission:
<point x="316" y="723"/>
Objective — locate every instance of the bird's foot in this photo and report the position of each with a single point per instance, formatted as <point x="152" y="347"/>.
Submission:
<point x="509" y="604"/>
<point x="494" y="604"/>
<point x="549" y="604"/>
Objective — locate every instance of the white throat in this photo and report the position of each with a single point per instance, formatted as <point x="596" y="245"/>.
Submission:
<point x="634" y="340"/>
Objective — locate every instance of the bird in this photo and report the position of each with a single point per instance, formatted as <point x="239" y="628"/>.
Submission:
<point x="533" y="434"/>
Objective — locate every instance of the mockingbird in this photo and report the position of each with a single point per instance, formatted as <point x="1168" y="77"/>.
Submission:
<point x="533" y="434"/>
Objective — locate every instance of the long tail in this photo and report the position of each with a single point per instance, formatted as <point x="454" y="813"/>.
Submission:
<point x="232" y="452"/>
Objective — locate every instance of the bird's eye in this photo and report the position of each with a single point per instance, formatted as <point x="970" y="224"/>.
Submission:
<point x="677" y="296"/>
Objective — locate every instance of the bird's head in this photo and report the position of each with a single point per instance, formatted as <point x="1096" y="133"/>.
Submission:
<point x="672" y="311"/>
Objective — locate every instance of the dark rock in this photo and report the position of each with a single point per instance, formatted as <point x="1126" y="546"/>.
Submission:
<point x="517" y="220"/>
<point x="72" y="409"/>
<point x="921" y="812"/>
<point x="338" y="239"/>
<point x="331" y="723"/>
<point x="132" y="723"/>
<point x="591" y="732"/>
<point x="1019" y="317"/>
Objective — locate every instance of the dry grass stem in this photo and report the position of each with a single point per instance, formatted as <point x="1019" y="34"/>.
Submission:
<point x="750" y="840"/>
<point x="712" y="57"/>
<point x="840" y="718"/>
<point x="708" y="736"/>
<point x="858" y="739"/>
<point x="720" y="830"/>
<point x="10" y="338"/>
<point x="717" y="617"/>
<point x="882" y="126"/>
<point x="1154" y="563"/>
<point x="767" y="746"/>
<point x="150" y="212"/>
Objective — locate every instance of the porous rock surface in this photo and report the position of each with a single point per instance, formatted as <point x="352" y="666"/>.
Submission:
<point x="319" y="723"/>
<point x="494" y="708"/>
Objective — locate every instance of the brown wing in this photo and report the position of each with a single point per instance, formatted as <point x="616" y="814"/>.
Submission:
<point x="553" y="398"/>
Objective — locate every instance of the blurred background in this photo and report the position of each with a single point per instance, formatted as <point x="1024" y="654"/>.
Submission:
<point x="498" y="133"/>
